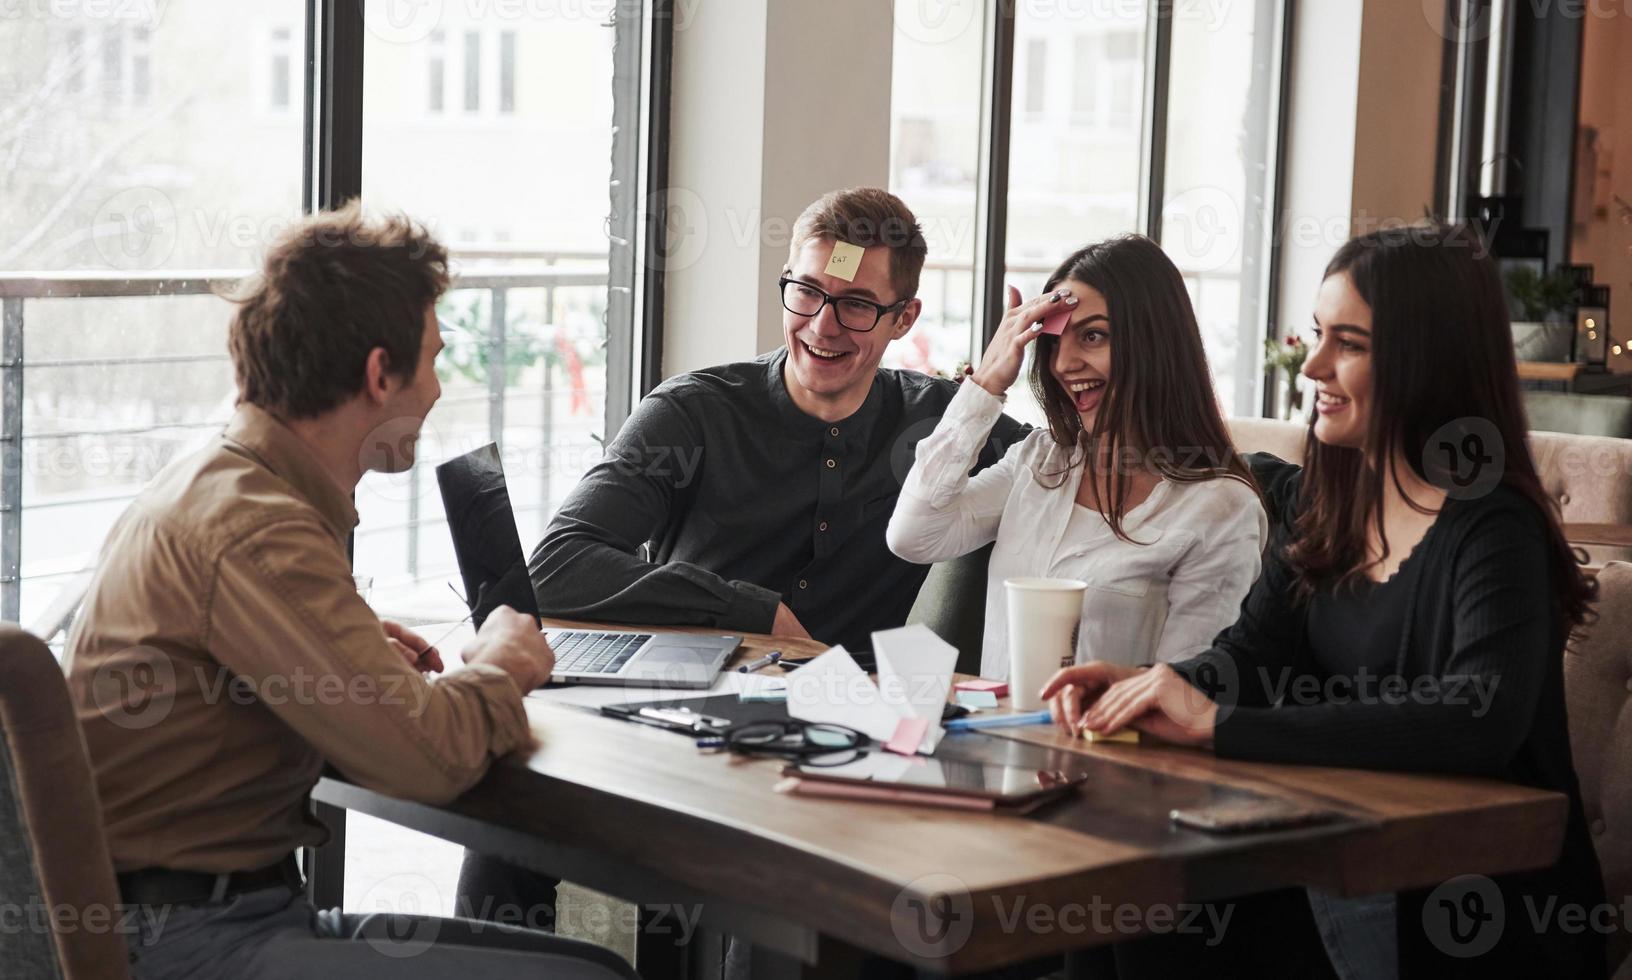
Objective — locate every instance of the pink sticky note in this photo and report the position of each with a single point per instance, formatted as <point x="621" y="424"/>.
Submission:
<point x="997" y="689"/>
<point x="1055" y="323"/>
<point x="909" y="732"/>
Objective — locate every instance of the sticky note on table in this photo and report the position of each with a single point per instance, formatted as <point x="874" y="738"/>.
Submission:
<point x="845" y="261"/>
<point x="997" y="689"/>
<point x="908" y="733"/>
<point x="1130" y="735"/>
<point x="1056" y="323"/>
<point x="977" y="699"/>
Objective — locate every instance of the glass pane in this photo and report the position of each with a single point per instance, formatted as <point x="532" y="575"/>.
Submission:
<point x="935" y="103"/>
<point x="514" y="178"/>
<point x="1220" y="153"/>
<point x="140" y="139"/>
<point x="1074" y="149"/>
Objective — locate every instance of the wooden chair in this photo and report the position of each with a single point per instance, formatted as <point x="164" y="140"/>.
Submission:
<point x="53" y="855"/>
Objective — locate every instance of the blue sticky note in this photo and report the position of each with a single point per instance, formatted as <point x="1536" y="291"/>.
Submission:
<point x="977" y="699"/>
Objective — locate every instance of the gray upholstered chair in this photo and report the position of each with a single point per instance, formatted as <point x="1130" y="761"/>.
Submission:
<point x="952" y="603"/>
<point x="1598" y="686"/>
<point x="52" y="852"/>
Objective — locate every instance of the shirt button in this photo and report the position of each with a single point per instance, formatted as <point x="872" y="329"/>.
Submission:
<point x="831" y="462"/>
<point x="1563" y="499"/>
<point x="833" y="431"/>
<point x="803" y="584"/>
<point x="822" y="526"/>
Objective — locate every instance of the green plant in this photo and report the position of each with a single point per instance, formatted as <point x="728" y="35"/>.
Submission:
<point x="1286" y="354"/>
<point x="1536" y="294"/>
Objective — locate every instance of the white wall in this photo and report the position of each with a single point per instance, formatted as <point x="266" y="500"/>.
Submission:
<point x="775" y="102"/>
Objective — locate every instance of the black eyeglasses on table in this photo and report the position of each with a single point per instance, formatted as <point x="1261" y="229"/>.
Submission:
<point x="854" y="313"/>
<point x="809" y="743"/>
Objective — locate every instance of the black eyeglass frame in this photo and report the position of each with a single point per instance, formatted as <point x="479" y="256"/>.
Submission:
<point x="805" y="751"/>
<point x="880" y="310"/>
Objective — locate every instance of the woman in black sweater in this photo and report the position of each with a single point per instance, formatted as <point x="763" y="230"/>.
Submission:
<point x="1412" y="613"/>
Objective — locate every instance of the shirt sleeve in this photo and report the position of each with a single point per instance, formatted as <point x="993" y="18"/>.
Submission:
<point x="285" y="618"/>
<point x="943" y="512"/>
<point x="588" y="565"/>
<point x="1205" y="592"/>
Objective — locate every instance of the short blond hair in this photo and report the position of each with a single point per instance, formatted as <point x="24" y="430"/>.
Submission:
<point x="867" y="216"/>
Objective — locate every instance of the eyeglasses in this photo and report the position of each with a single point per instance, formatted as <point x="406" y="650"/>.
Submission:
<point x="810" y="743"/>
<point x="853" y="312"/>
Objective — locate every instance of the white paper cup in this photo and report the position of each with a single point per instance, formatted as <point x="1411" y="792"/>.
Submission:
<point x="1044" y="615"/>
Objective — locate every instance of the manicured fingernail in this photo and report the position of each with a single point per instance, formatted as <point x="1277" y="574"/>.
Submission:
<point x="1036" y="327"/>
<point x="1070" y="301"/>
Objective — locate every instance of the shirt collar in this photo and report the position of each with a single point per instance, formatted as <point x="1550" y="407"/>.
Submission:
<point x="798" y="423"/>
<point x="281" y="451"/>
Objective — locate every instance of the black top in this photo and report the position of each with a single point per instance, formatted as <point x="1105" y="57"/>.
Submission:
<point x="1475" y="658"/>
<point x="745" y="501"/>
<point x="1349" y="628"/>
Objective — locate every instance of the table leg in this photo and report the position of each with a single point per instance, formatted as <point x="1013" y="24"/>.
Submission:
<point x="326" y="865"/>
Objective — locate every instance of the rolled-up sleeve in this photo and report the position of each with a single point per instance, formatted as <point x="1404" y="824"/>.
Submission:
<point x="285" y="619"/>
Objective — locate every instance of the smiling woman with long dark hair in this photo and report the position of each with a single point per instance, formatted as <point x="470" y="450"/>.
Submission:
<point x="1415" y="552"/>
<point x="1133" y="487"/>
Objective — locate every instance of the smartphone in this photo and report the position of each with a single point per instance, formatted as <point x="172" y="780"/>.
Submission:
<point x="1250" y="815"/>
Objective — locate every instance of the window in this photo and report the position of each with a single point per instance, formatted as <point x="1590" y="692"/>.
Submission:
<point x="143" y="148"/>
<point x="1074" y="172"/>
<point x="1036" y="75"/>
<point x="282" y="64"/>
<point x="525" y="208"/>
<point x="1219" y="180"/>
<point x="507" y="71"/>
<point x="934" y="162"/>
<point x="473" y="71"/>
<point x="436" y="71"/>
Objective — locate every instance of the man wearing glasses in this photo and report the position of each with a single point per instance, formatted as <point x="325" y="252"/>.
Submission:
<point x="761" y="490"/>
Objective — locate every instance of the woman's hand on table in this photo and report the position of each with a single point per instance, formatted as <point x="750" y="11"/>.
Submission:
<point x="1106" y="698"/>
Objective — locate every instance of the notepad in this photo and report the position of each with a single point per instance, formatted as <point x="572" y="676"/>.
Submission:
<point x="1130" y="735"/>
<point x="976" y="699"/>
<point x="997" y="689"/>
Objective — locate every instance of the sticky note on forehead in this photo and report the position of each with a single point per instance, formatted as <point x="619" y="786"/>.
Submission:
<point x="845" y="261"/>
<point x="1056" y="323"/>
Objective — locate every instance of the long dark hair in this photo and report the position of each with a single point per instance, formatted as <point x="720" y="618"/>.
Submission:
<point x="1159" y="404"/>
<point x="1441" y="354"/>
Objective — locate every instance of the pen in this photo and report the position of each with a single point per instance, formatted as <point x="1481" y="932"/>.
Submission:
<point x="765" y="661"/>
<point x="998" y="721"/>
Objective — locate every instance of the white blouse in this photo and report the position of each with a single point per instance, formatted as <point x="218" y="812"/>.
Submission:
<point x="1161" y="599"/>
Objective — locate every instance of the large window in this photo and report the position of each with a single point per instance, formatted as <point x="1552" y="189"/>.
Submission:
<point x="516" y="181"/>
<point x="153" y="151"/>
<point x="1219" y="183"/>
<point x="1090" y="154"/>
<point x="135" y="147"/>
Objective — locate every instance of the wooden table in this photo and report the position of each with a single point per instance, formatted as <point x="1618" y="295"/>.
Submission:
<point x="640" y="814"/>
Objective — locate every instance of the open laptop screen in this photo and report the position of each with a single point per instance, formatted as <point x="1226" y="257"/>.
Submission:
<point x="485" y="540"/>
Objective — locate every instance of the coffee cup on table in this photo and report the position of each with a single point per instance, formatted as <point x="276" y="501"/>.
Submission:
<point x="1044" y="616"/>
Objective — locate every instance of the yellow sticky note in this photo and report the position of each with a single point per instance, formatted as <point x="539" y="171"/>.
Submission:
<point x="1125" y="735"/>
<point x="845" y="261"/>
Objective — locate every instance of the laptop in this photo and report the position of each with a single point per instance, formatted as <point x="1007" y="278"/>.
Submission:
<point x="488" y="548"/>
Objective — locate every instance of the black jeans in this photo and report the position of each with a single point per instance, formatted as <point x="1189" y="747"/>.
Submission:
<point x="498" y="891"/>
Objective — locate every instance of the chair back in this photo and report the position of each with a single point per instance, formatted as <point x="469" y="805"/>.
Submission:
<point x="53" y="856"/>
<point x="1598" y="689"/>
<point x="952" y="603"/>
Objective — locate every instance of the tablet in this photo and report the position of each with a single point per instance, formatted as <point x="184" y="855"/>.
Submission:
<point x="1003" y="785"/>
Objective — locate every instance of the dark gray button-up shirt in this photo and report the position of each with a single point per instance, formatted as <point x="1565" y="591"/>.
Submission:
<point x="744" y="501"/>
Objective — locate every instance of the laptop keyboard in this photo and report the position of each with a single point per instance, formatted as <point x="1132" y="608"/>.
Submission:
<point x="586" y="652"/>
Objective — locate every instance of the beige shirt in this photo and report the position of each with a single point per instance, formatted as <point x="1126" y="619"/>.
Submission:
<point x="223" y="655"/>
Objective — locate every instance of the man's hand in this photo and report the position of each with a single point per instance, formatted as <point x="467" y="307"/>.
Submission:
<point x="413" y="647"/>
<point x="787" y="624"/>
<point x="513" y="642"/>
